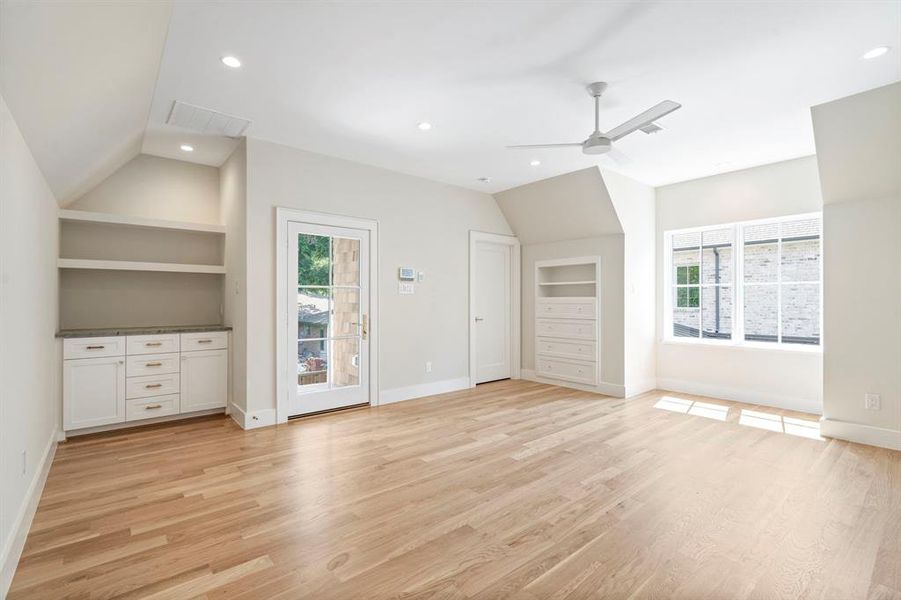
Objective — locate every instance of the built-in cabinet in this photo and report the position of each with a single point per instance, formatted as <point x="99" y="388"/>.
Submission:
<point x="119" y="379"/>
<point x="567" y="330"/>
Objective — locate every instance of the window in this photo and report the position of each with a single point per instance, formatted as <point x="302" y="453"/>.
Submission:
<point x="751" y="282"/>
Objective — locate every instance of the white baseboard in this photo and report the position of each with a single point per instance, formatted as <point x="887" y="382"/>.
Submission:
<point x="423" y="389"/>
<point x="641" y="387"/>
<point x="862" y="434"/>
<point x="12" y="549"/>
<point x="608" y="389"/>
<point x="254" y="419"/>
<point x="808" y="405"/>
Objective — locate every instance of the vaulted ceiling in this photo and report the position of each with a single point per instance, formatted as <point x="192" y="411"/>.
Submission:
<point x="353" y="79"/>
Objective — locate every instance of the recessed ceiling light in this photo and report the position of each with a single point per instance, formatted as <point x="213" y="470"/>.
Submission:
<point x="231" y="61"/>
<point x="425" y="126"/>
<point x="535" y="163"/>
<point x="187" y="148"/>
<point x="876" y="52"/>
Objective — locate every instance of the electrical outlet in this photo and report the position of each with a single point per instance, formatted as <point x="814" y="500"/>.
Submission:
<point x="428" y="367"/>
<point x="872" y="401"/>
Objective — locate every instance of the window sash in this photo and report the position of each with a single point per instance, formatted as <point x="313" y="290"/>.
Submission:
<point x="738" y="285"/>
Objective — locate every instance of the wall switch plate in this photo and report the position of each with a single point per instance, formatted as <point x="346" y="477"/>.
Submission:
<point x="405" y="288"/>
<point x="872" y="401"/>
<point x="428" y="366"/>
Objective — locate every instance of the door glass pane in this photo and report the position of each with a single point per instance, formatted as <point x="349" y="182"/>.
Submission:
<point x="686" y="320"/>
<point x="345" y="261"/>
<point x="345" y="311"/>
<point x="345" y="362"/>
<point x="312" y="259"/>
<point x="312" y="362"/>
<point x="801" y="313"/>
<point x="717" y="256"/>
<point x="761" y="313"/>
<point x="312" y="313"/>
<point x="716" y="312"/>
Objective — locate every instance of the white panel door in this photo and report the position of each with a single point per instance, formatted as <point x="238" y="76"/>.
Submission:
<point x="204" y="380"/>
<point x="328" y="310"/>
<point x="493" y="266"/>
<point x="93" y="392"/>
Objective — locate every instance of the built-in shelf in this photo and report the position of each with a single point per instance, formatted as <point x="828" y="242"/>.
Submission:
<point x="128" y="221"/>
<point x="125" y="265"/>
<point x="587" y="282"/>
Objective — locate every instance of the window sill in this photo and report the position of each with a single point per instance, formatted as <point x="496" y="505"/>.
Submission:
<point x="729" y="345"/>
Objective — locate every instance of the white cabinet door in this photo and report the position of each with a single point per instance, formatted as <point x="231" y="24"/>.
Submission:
<point x="204" y="380"/>
<point x="93" y="392"/>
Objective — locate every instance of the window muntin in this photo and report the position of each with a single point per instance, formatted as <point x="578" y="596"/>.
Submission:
<point x="757" y="282"/>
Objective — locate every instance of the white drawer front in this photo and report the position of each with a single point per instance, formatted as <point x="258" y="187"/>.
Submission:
<point x="148" y="408"/>
<point x="151" y="385"/>
<point x="583" y="330"/>
<point x="210" y="340"/>
<point x="152" y="344"/>
<point x="566" y="349"/>
<point x="568" y="309"/>
<point x="93" y="347"/>
<point x="569" y="371"/>
<point x="151" y="364"/>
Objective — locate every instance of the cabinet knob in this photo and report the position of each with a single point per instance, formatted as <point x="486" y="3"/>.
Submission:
<point x="152" y="344"/>
<point x="94" y="347"/>
<point x="151" y="386"/>
<point x="152" y="406"/>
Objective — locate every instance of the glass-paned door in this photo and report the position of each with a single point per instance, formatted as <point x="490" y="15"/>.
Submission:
<point x="328" y="304"/>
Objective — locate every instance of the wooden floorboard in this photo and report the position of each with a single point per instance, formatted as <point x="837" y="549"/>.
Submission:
<point x="512" y="490"/>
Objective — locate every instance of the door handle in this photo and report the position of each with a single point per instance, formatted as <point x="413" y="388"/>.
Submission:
<point x="479" y="319"/>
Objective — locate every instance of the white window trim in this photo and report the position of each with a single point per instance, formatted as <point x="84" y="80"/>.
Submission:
<point x="738" y="288"/>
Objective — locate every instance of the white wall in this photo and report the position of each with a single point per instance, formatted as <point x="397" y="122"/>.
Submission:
<point x="422" y="224"/>
<point x="233" y="189"/>
<point x="635" y="205"/>
<point x="157" y="188"/>
<point x="784" y="378"/>
<point x="858" y="143"/>
<point x="29" y="355"/>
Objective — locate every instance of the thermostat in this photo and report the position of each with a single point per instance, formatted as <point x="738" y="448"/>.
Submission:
<point x="406" y="274"/>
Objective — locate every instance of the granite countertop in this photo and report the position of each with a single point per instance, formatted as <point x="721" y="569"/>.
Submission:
<point x="113" y="331"/>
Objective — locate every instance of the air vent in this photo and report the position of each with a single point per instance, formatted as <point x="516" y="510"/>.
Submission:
<point x="206" y="120"/>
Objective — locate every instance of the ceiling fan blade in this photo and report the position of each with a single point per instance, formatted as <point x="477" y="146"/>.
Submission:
<point x="642" y="120"/>
<point x="618" y="157"/>
<point x="526" y="146"/>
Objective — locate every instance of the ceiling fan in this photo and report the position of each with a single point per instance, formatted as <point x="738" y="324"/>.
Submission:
<point x="602" y="142"/>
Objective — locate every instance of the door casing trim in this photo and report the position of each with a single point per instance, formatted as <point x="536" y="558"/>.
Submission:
<point x="283" y="216"/>
<point x="515" y="300"/>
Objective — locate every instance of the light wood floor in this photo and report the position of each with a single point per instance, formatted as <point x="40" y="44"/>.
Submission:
<point x="513" y="490"/>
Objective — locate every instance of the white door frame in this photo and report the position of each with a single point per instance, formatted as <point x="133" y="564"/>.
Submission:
<point x="283" y="378"/>
<point x="515" y="300"/>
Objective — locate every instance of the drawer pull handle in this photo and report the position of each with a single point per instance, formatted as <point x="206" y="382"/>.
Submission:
<point x="204" y="341"/>
<point x="151" y="344"/>
<point x="152" y="406"/>
<point x="150" y="386"/>
<point x="154" y="364"/>
<point x="94" y="347"/>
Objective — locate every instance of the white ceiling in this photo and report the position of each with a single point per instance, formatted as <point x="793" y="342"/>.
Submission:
<point x="78" y="78"/>
<point x="352" y="79"/>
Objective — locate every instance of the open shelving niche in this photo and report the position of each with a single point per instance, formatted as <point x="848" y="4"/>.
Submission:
<point x="124" y="271"/>
<point x="567" y="278"/>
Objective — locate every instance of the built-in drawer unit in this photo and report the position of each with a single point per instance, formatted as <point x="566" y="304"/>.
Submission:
<point x="97" y="347"/>
<point x="148" y="408"/>
<point x="213" y="340"/>
<point x="566" y="308"/>
<point x="581" y="372"/>
<point x="566" y="349"/>
<point x="581" y="329"/>
<point x="151" y="385"/>
<point x="151" y="364"/>
<point x="152" y="344"/>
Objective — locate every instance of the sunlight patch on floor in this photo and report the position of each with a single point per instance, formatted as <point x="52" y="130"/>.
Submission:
<point x="748" y="418"/>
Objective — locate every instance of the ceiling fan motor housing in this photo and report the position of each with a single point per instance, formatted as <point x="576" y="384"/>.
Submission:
<point x="596" y="144"/>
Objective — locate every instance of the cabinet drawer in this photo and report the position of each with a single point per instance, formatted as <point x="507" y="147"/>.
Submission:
<point x="210" y="340"/>
<point x="567" y="309"/>
<point x="148" y="408"/>
<point x="569" y="371"/>
<point x="151" y="385"/>
<point x="93" y="347"/>
<point x="151" y="364"/>
<point x="152" y="344"/>
<point x="566" y="349"/>
<point x="562" y="328"/>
